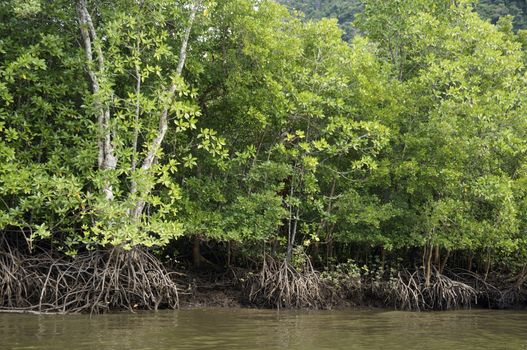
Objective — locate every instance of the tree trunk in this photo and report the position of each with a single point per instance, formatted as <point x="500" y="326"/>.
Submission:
<point x="427" y="258"/>
<point x="106" y="159"/>
<point x="469" y="261"/>
<point x="196" y="252"/>
<point x="487" y="265"/>
<point x="443" y="263"/>
<point x="290" y="225"/>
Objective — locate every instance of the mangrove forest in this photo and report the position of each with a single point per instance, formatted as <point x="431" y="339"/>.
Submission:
<point x="171" y="153"/>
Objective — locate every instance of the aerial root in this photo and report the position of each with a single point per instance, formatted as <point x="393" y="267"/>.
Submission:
<point x="93" y="282"/>
<point x="280" y="285"/>
<point x="410" y="291"/>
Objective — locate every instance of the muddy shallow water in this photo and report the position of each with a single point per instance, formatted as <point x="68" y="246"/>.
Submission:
<point x="268" y="329"/>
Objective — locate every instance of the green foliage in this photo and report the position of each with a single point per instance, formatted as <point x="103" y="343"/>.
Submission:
<point x="50" y="105"/>
<point x="344" y="10"/>
<point x="496" y="9"/>
<point x="279" y="134"/>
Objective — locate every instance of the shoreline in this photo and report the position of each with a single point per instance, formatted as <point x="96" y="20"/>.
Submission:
<point x="109" y="280"/>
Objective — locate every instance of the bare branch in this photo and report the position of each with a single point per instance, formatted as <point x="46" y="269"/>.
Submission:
<point x="163" y="122"/>
<point x="163" y="119"/>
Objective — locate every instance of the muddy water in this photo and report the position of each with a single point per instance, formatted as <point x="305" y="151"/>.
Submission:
<point x="257" y="329"/>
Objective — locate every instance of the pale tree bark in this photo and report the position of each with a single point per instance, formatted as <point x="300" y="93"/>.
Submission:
<point x="106" y="159"/>
<point x="156" y="143"/>
<point x="135" y="140"/>
<point x="95" y="68"/>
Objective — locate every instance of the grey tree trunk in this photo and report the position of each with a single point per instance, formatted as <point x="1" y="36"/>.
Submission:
<point x="106" y="159"/>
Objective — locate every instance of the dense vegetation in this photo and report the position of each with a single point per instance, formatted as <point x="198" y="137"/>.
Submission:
<point x="232" y="134"/>
<point x="346" y="10"/>
<point x="495" y="9"/>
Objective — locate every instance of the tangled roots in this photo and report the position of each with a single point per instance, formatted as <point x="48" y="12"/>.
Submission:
<point x="409" y="291"/>
<point x="280" y="285"/>
<point x="93" y="282"/>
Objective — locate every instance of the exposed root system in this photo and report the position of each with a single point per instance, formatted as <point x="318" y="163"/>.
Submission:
<point x="116" y="279"/>
<point x="517" y="293"/>
<point x="93" y="282"/>
<point x="280" y="285"/>
<point x="410" y="291"/>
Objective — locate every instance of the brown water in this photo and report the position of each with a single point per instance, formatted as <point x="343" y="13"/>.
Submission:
<point x="258" y="329"/>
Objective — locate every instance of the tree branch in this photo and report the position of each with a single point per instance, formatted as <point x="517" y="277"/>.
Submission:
<point x="154" y="147"/>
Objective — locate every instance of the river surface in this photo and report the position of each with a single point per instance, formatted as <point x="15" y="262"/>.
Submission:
<point x="266" y="329"/>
